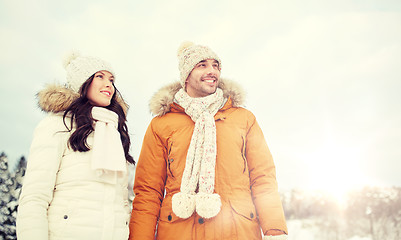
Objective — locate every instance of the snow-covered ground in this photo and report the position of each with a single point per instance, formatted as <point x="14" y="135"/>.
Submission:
<point x="306" y="230"/>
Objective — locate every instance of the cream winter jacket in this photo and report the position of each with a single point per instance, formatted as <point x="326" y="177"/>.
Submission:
<point x="62" y="197"/>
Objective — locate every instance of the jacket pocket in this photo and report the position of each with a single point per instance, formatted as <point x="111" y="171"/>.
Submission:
<point x="171" y="226"/>
<point x="244" y="209"/>
<point x="59" y="218"/>
<point x="166" y="212"/>
<point x="245" y="219"/>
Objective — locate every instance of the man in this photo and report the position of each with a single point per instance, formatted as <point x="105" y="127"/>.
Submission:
<point x="205" y="171"/>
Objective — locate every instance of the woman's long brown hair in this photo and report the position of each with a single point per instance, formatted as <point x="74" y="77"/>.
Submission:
<point x="81" y="116"/>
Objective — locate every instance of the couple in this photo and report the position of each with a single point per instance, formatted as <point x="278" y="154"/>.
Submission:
<point x="204" y="172"/>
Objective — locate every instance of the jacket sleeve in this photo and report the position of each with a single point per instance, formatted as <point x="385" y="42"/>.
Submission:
<point x="37" y="191"/>
<point x="149" y="186"/>
<point x="262" y="173"/>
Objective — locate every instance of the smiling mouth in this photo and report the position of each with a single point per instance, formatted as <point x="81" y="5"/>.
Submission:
<point x="107" y="93"/>
<point x="209" y="79"/>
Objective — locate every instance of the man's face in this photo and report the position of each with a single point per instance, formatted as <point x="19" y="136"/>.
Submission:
<point x="204" y="78"/>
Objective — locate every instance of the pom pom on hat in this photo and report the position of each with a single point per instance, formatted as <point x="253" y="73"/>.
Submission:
<point x="80" y="68"/>
<point x="190" y="54"/>
<point x="69" y="57"/>
<point x="183" y="46"/>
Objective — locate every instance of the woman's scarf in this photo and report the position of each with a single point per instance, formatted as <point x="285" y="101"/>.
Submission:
<point x="108" y="155"/>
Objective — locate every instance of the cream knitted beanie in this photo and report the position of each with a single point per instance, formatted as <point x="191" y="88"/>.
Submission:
<point x="190" y="54"/>
<point x="80" y="68"/>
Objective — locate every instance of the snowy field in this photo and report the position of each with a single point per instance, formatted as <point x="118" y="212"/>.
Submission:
<point x="302" y="230"/>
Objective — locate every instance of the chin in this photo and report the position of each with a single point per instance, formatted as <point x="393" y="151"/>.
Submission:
<point x="101" y="104"/>
<point x="213" y="91"/>
<point x="106" y="105"/>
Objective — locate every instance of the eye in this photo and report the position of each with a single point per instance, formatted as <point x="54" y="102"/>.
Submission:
<point x="99" y="76"/>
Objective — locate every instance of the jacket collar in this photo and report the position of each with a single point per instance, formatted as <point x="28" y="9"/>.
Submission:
<point x="162" y="101"/>
<point x="57" y="98"/>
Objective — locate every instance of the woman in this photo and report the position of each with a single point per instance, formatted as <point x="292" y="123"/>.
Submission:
<point x="75" y="186"/>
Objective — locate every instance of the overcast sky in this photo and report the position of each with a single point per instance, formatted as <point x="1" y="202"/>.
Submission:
<point x="322" y="77"/>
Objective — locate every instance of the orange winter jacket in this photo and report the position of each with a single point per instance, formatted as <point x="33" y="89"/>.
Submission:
<point x="245" y="175"/>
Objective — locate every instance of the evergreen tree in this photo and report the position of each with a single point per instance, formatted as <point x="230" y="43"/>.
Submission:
<point x="10" y="188"/>
<point x="4" y="194"/>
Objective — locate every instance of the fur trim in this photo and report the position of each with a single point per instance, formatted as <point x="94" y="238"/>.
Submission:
<point x="234" y="91"/>
<point x="57" y="98"/>
<point x="161" y="101"/>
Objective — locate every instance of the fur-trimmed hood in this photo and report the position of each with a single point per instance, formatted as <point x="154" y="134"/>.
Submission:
<point x="57" y="98"/>
<point x="161" y="101"/>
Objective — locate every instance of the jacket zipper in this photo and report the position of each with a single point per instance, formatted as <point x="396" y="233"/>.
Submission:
<point x="243" y="151"/>
<point x="169" y="161"/>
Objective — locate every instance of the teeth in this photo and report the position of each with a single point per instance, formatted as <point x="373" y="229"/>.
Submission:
<point x="209" y="81"/>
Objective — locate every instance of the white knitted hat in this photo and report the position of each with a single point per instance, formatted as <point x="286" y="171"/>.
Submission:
<point x="80" y="68"/>
<point x="190" y="54"/>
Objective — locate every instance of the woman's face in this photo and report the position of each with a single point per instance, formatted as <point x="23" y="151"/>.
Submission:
<point x="101" y="89"/>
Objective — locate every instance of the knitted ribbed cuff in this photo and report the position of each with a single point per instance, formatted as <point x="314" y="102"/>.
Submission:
<point x="278" y="237"/>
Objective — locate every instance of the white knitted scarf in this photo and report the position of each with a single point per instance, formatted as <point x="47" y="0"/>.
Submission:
<point x="107" y="151"/>
<point x="199" y="172"/>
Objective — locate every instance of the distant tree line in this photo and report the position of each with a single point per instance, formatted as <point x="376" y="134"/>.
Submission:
<point x="373" y="212"/>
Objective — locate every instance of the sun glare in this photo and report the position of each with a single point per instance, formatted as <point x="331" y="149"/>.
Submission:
<point x="335" y="169"/>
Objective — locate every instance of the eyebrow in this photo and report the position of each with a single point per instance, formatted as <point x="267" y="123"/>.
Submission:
<point x="101" y="72"/>
<point x="214" y="61"/>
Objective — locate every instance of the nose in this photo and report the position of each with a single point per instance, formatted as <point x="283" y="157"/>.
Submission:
<point x="211" y="69"/>
<point x="108" y="84"/>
